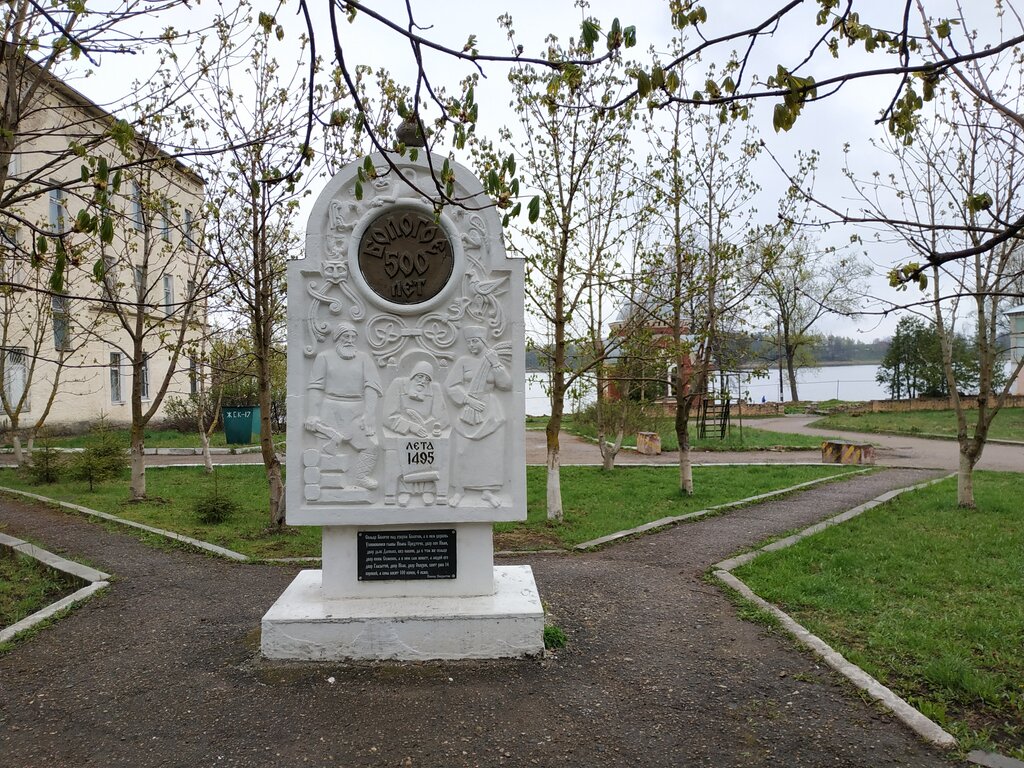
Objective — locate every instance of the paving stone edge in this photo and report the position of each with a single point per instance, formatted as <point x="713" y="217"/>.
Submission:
<point x="97" y="581"/>
<point x="923" y="726"/>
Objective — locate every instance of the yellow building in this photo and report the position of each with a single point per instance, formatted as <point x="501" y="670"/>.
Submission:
<point x="69" y="353"/>
<point x="1016" y="318"/>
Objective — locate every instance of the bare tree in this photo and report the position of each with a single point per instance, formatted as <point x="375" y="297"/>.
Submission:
<point x="700" y="175"/>
<point x="962" y="178"/>
<point x="577" y="161"/>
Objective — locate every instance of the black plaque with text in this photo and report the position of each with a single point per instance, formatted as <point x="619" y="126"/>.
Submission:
<point x="406" y="555"/>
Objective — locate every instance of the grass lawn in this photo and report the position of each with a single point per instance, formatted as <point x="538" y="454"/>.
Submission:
<point x="926" y="597"/>
<point x="27" y="585"/>
<point x="1007" y="425"/>
<point x="596" y="503"/>
<point x="746" y="439"/>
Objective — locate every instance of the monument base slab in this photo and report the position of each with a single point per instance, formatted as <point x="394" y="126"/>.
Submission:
<point x="304" y="625"/>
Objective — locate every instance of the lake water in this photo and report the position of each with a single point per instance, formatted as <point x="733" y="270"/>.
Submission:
<point x="843" y="382"/>
<point x="840" y="382"/>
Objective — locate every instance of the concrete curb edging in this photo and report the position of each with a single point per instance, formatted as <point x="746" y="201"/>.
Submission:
<point x="923" y="726"/>
<point x="97" y="581"/>
<point x="212" y="548"/>
<point x="667" y="521"/>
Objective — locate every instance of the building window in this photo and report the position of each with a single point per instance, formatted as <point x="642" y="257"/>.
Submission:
<point x="144" y="384"/>
<point x="15" y="362"/>
<point x="168" y="294"/>
<point x="110" y="278"/>
<point x="190" y="242"/>
<point x="116" y="390"/>
<point x="58" y="210"/>
<point x="14" y="164"/>
<point x="138" y="217"/>
<point x="165" y="221"/>
<point x="140" y="283"/>
<point x="61" y="322"/>
<point x="13" y="262"/>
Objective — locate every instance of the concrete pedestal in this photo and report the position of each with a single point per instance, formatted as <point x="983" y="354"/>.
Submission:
<point x="304" y="624"/>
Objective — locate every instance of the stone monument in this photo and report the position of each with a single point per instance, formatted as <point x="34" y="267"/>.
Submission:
<point x="405" y="425"/>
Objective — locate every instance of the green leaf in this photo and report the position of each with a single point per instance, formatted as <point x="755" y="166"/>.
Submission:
<point x="980" y="202"/>
<point x="533" y="210"/>
<point x="107" y="230"/>
<point x="85" y="174"/>
<point x="629" y="35"/>
<point x="42" y="244"/>
<point x="359" y="190"/>
<point x="942" y="29"/>
<point x="657" y="77"/>
<point x="589" y="35"/>
<point x="643" y="84"/>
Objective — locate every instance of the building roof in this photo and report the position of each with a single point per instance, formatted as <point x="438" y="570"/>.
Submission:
<point x="99" y="114"/>
<point x="1016" y="310"/>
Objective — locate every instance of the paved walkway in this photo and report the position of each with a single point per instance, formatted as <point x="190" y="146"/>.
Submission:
<point x="163" y="669"/>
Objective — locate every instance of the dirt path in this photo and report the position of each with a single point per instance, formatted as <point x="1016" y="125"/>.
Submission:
<point x="905" y="451"/>
<point x="162" y="670"/>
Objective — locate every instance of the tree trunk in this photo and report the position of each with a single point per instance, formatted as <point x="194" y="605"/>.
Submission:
<point x="610" y="450"/>
<point x="554" y="479"/>
<point x="791" y="371"/>
<point x="19" y="454"/>
<point x="554" y="484"/>
<point x="270" y="460"/>
<point x="683" y="438"/>
<point x="965" y="481"/>
<point x="138" y="461"/>
<point x="204" y="439"/>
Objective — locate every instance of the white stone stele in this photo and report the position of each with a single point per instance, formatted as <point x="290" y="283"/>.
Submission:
<point x="304" y="625"/>
<point x="372" y="450"/>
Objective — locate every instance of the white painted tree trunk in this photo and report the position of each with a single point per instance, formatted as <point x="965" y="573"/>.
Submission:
<point x="554" y="486"/>
<point x="207" y="458"/>
<point x="138" y="461"/>
<point x="965" y="482"/>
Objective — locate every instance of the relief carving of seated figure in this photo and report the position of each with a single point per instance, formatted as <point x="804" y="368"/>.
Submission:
<point x="414" y="405"/>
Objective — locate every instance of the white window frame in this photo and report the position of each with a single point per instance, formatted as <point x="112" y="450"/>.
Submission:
<point x="190" y="243"/>
<point x="58" y="210"/>
<point x="15" y="262"/>
<point x="60" y="318"/>
<point x="144" y="384"/>
<point x="165" y="214"/>
<point x="138" y="215"/>
<point x="13" y="366"/>
<point x="168" y="295"/>
<point x="116" y="378"/>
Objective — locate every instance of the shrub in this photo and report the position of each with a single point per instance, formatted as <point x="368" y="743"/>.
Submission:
<point x="214" y="508"/>
<point x="103" y="458"/>
<point x="181" y="413"/>
<point x="554" y="637"/>
<point x="46" y="465"/>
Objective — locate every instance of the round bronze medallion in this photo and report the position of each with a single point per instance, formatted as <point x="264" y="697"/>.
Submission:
<point x="405" y="256"/>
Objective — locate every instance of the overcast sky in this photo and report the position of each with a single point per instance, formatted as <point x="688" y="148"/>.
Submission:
<point x="845" y="118"/>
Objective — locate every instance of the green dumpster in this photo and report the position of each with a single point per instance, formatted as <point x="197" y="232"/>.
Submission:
<point x="241" y="423"/>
